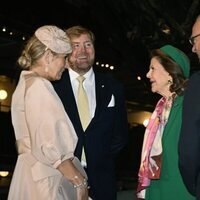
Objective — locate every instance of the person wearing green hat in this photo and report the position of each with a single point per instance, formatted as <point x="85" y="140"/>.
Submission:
<point x="159" y="175"/>
<point x="189" y="143"/>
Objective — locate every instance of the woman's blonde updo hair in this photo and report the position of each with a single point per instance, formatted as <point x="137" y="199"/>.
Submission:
<point x="33" y="50"/>
<point x="45" y="37"/>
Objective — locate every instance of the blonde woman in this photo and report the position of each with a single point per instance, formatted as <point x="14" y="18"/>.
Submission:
<point x="46" y="168"/>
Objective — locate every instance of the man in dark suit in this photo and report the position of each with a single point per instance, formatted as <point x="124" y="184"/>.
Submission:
<point x="106" y="133"/>
<point x="189" y="143"/>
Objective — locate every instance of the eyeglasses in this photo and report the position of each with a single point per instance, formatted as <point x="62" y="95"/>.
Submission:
<point x="191" y="39"/>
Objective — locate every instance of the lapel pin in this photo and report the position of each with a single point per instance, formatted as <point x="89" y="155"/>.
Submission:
<point x="102" y="86"/>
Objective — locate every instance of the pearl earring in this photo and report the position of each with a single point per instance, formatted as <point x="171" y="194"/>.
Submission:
<point x="169" y="81"/>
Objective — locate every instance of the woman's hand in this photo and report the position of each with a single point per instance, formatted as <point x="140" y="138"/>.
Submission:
<point x="69" y="170"/>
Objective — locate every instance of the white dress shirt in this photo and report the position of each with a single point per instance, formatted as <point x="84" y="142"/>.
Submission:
<point x="89" y="86"/>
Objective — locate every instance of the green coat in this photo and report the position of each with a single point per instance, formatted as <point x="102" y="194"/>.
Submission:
<point x="170" y="185"/>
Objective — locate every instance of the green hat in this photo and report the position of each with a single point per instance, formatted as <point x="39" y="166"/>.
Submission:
<point x="179" y="57"/>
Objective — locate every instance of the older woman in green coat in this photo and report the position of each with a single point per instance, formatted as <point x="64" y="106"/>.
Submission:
<point x="159" y="175"/>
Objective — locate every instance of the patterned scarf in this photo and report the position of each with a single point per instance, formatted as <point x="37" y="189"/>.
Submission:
<point x="151" y="157"/>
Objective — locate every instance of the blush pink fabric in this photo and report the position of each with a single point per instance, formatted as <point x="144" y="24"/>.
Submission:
<point x="54" y="39"/>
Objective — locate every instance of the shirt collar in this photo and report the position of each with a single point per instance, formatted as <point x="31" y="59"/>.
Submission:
<point x="88" y="75"/>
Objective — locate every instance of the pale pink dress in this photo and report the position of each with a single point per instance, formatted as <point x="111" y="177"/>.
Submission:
<point x="45" y="137"/>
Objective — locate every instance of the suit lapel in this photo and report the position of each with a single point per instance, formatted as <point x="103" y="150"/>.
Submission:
<point x="103" y="97"/>
<point x="71" y="106"/>
<point x="103" y="94"/>
<point x="174" y="112"/>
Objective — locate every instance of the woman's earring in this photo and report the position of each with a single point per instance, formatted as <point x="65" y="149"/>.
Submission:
<point x="170" y="82"/>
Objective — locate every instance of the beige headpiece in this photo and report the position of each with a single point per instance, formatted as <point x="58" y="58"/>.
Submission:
<point x="54" y="39"/>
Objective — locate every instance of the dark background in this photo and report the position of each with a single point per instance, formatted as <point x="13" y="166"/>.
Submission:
<point x="125" y="30"/>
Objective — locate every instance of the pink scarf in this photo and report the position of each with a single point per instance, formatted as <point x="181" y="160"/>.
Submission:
<point x="152" y="149"/>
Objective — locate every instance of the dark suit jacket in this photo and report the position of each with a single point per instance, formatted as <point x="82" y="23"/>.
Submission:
<point x="189" y="143"/>
<point x="105" y="136"/>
